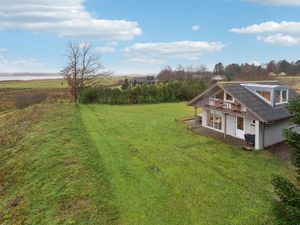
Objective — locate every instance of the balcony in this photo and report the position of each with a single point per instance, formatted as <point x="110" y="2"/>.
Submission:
<point x="226" y="106"/>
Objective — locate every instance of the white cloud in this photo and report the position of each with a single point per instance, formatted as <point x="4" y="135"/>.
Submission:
<point x="270" y="27"/>
<point x="105" y="49"/>
<point x="3" y="49"/>
<point x="280" y="39"/>
<point x="162" y="51"/>
<point x="195" y="27"/>
<point x="64" y="18"/>
<point x="277" y="2"/>
<point x="150" y="61"/>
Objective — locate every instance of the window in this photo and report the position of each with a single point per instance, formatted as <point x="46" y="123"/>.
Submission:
<point x="252" y="122"/>
<point x="219" y="95"/>
<point x="240" y="123"/>
<point x="214" y="119"/>
<point x="284" y="96"/>
<point x="265" y="94"/>
<point x="281" y="96"/>
<point x="228" y="97"/>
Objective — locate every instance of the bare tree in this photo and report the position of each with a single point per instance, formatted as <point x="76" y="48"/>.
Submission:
<point x="83" y="69"/>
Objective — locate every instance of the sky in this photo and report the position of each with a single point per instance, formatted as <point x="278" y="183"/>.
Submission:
<point x="142" y="36"/>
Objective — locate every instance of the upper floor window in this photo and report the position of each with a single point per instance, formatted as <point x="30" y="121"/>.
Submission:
<point x="265" y="94"/>
<point x="228" y="97"/>
<point x="281" y="96"/>
<point x="219" y="95"/>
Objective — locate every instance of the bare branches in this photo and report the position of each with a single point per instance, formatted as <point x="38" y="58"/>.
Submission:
<point x="83" y="68"/>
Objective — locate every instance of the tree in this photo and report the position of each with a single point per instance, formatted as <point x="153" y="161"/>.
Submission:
<point x="219" y="69"/>
<point x="82" y="69"/>
<point x="125" y="85"/>
<point x="287" y="207"/>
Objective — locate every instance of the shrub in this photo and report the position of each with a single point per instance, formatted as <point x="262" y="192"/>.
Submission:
<point x="171" y="91"/>
<point x="25" y="100"/>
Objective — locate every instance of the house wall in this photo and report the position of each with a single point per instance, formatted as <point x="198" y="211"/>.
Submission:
<point x="249" y="129"/>
<point x="204" y="121"/>
<point x="273" y="133"/>
<point x="230" y="125"/>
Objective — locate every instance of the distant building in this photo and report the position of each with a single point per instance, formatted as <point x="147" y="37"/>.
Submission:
<point x="272" y="74"/>
<point x="143" y="80"/>
<point x="282" y="74"/>
<point x="218" y="78"/>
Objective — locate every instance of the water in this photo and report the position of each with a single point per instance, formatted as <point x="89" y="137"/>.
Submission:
<point x="13" y="77"/>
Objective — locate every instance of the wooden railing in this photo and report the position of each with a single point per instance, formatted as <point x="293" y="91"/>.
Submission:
<point x="231" y="106"/>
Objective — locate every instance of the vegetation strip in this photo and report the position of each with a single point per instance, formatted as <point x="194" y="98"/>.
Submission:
<point x="50" y="171"/>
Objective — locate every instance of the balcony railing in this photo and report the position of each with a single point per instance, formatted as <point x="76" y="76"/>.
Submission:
<point x="225" y="105"/>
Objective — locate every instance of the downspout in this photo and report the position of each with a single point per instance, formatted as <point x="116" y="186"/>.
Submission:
<point x="225" y="126"/>
<point x="263" y="135"/>
<point x="196" y="117"/>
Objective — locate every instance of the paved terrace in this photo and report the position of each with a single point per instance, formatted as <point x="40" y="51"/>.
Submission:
<point x="280" y="150"/>
<point x="215" y="135"/>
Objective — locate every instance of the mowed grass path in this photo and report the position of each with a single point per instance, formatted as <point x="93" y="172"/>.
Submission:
<point x="162" y="173"/>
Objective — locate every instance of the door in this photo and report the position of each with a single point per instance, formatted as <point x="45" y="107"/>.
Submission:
<point x="240" y="127"/>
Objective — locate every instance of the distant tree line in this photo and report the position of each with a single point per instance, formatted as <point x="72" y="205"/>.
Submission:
<point x="169" y="91"/>
<point x="182" y="73"/>
<point x="234" y="71"/>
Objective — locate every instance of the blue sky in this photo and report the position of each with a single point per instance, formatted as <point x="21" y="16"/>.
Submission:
<point x="136" y="36"/>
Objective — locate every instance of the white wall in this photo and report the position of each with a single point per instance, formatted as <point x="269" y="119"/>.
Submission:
<point x="273" y="133"/>
<point x="249" y="129"/>
<point x="230" y="125"/>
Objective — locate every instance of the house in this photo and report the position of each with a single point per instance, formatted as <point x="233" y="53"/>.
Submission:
<point x="272" y="74"/>
<point x="240" y="108"/>
<point x="143" y="80"/>
<point x="282" y="74"/>
<point x="218" y="78"/>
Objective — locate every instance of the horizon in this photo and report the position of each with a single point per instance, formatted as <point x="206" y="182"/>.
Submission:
<point x="141" y="38"/>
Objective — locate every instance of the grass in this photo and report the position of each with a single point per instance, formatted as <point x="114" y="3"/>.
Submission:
<point x="107" y="164"/>
<point x="164" y="174"/>
<point x="292" y="81"/>
<point x="51" y="83"/>
<point x="50" y="171"/>
<point x="33" y="84"/>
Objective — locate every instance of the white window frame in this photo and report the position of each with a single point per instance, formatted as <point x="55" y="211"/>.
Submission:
<point x="266" y="100"/>
<point x="227" y="100"/>
<point x="287" y="97"/>
<point x="215" y="94"/>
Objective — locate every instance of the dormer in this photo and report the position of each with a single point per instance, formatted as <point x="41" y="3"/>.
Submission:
<point x="274" y="95"/>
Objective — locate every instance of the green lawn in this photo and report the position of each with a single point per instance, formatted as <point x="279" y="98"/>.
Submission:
<point x="53" y="83"/>
<point x="106" y="164"/>
<point x="164" y="174"/>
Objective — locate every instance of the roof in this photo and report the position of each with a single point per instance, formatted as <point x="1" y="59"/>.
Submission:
<point x="258" y="107"/>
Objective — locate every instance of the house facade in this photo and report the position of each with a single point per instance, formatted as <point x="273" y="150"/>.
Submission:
<point x="256" y="109"/>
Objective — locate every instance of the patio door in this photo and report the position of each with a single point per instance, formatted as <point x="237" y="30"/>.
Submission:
<point x="240" y="127"/>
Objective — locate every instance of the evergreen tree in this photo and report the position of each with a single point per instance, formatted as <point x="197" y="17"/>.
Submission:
<point x="287" y="206"/>
<point x="125" y="85"/>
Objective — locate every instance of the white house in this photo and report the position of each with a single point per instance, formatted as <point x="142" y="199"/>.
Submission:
<point x="239" y="108"/>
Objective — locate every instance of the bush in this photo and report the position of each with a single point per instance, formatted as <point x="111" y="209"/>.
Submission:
<point x="171" y="91"/>
<point x="25" y="100"/>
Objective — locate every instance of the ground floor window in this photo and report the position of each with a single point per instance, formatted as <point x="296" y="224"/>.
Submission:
<point x="240" y="123"/>
<point x="214" y="119"/>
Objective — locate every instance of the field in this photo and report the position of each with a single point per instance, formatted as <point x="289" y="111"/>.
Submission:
<point x="104" y="164"/>
<point x="53" y="83"/>
<point x="293" y="82"/>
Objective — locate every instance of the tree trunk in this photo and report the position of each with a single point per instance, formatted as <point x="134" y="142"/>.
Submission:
<point x="77" y="100"/>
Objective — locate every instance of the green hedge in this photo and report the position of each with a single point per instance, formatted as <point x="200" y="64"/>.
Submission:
<point x="171" y="91"/>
